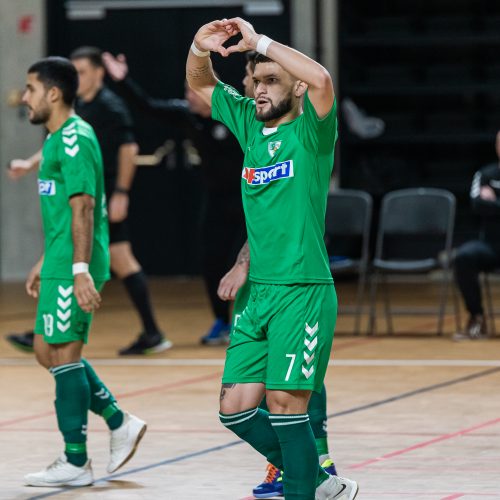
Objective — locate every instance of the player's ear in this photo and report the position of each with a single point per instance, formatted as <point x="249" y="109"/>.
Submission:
<point x="300" y="88"/>
<point x="54" y="94"/>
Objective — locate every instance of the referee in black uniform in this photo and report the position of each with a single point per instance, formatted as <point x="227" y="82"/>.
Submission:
<point x="109" y="117"/>
<point x="223" y="224"/>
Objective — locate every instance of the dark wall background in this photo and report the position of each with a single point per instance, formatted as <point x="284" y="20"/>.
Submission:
<point x="429" y="68"/>
<point x="167" y="200"/>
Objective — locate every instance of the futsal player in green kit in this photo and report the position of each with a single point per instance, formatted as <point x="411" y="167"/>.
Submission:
<point x="68" y="277"/>
<point x="235" y="286"/>
<point x="281" y="343"/>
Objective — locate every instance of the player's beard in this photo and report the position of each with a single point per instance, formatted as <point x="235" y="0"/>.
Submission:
<point x="275" y="112"/>
<point x="40" y="116"/>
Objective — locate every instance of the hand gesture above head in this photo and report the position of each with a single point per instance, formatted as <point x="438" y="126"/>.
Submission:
<point x="116" y="67"/>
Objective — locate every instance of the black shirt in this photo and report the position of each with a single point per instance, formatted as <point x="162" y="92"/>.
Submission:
<point x="112" y="123"/>
<point x="489" y="211"/>
<point x="219" y="152"/>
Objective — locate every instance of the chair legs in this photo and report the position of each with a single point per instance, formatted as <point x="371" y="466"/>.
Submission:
<point x="372" y="322"/>
<point x="444" y="296"/>
<point x="359" y="301"/>
<point x="490" y="313"/>
<point x="387" y="305"/>
<point x="445" y="288"/>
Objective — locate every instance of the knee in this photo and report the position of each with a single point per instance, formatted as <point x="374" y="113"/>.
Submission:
<point x="464" y="257"/>
<point x="43" y="359"/>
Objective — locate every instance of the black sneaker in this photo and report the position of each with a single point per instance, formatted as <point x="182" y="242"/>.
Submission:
<point x="147" y="344"/>
<point x="22" y="341"/>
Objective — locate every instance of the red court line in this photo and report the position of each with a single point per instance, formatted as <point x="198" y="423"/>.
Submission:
<point x="452" y="497"/>
<point x="156" y="388"/>
<point x="106" y="430"/>
<point x="424" y="444"/>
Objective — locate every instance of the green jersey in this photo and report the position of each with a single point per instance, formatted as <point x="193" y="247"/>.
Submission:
<point x="72" y="164"/>
<point x="285" y="181"/>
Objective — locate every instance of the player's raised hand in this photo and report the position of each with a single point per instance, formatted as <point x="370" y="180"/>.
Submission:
<point x="212" y="36"/>
<point x="249" y="36"/>
<point x="116" y="67"/>
<point x="87" y="296"/>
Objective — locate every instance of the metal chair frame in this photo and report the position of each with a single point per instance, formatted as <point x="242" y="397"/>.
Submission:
<point x="336" y="227"/>
<point x="416" y="266"/>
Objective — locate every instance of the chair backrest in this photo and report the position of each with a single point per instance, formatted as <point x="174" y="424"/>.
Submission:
<point x="348" y="221"/>
<point x="415" y="223"/>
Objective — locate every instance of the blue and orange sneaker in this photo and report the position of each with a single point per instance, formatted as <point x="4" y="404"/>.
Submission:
<point x="218" y="334"/>
<point x="329" y="467"/>
<point x="272" y="486"/>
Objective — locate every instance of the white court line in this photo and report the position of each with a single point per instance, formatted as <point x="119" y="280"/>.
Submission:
<point x="220" y="362"/>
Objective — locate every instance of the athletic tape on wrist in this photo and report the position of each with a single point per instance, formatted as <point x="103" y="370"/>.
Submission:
<point x="197" y="52"/>
<point x="80" y="267"/>
<point x="263" y="44"/>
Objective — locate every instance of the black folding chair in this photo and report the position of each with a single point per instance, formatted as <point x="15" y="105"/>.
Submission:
<point x="414" y="237"/>
<point x="348" y="221"/>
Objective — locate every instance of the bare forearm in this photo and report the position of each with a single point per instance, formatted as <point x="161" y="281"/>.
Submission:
<point x="126" y="166"/>
<point x="35" y="160"/>
<point x="199" y="72"/>
<point x="82" y="228"/>
<point x="299" y="65"/>
<point x="244" y="255"/>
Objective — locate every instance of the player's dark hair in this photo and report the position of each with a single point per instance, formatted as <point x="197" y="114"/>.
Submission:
<point x="261" y="58"/>
<point x="57" y="72"/>
<point x="93" y="54"/>
<point x="250" y="58"/>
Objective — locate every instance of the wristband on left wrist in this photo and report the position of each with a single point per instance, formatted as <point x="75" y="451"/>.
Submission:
<point x="121" y="190"/>
<point x="80" y="268"/>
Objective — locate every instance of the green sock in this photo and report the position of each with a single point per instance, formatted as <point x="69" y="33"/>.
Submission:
<point x="254" y="427"/>
<point x="317" y="416"/>
<point x="72" y="406"/>
<point x="102" y="401"/>
<point x="302" y="473"/>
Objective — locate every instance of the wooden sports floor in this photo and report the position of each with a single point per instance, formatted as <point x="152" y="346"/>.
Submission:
<point x="413" y="416"/>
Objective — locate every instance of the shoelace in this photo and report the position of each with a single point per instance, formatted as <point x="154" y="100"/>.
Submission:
<point x="327" y="463"/>
<point x="271" y="473"/>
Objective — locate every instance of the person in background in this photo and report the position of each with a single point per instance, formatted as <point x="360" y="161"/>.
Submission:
<point x="483" y="254"/>
<point x="68" y="277"/>
<point x="112" y="123"/>
<point x="223" y="223"/>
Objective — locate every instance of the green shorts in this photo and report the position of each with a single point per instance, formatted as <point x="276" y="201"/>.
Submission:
<point x="283" y="337"/>
<point x="59" y="318"/>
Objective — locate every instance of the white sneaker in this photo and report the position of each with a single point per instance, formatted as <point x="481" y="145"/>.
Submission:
<point x="124" y="441"/>
<point x="62" y="473"/>
<point x="337" y="488"/>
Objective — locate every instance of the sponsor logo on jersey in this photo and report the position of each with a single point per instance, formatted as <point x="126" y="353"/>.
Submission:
<point x="272" y="147"/>
<point x="46" y="188"/>
<point x="265" y="175"/>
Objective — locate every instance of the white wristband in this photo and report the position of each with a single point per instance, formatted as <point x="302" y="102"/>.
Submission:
<point x="263" y="44"/>
<point x="80" y="267"/>
<point x="197" y="52"/>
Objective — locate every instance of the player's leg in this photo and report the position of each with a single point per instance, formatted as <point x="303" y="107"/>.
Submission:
<point x="471" y="259"/>
<point x="223" y="235"/>
<point x="126" y="430"/>
<point x="300" y="335"/>
<point x="318" y="418"/>
<point x="72" y="400"/>
<point x="62" y="329"/>
<point x="126" y="267"/>
<point x="243" y="382"/>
